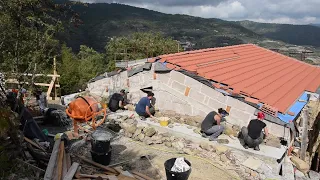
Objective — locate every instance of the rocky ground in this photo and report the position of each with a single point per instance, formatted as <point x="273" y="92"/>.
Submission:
<point x="207" y="160"/>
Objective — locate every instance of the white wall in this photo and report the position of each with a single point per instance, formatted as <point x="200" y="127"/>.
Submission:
<point x="170" y="89"/>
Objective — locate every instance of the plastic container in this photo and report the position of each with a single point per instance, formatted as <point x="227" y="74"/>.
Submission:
<point x="101" y="158"/>
<point x="176" y="175"/>
<point x="100" y="142"/>
<point x="164" y="121"/>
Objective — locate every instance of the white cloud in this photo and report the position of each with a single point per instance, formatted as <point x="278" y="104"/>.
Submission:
<point x="273" y="11"/>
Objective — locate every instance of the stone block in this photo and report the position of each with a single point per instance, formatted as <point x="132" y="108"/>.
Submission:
<point x="196" y="95"/>
<point x="234" y="103"/>
<point x="164" y="78"/>
<point x="155" y="85"/>
<point x="210" y="91"/>
<point x="134" y="80"/>
<point x="173" y="92"/>
<point x="186" y="109"/>
<point x="197" y="112"/>
<point x="206" y="100"/>
<point x="300" y="164"/>
<point x="124" y="74"/>
<point x="222" y="98"/>
<point x="276" y="129"/>
<point x="235" y="121"/>
<point x="215" y="104"/>
<point x="192" y="83"/>
<point x="147" y="77"/>
<point x="178" y="87"/>
<point x="250" y="109"/>
<point x="201" y="106"/>
<point x="241" y="115"/>
<point x="177" y="76"/>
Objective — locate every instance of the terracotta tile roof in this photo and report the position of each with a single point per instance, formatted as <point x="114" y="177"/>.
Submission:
<point x="270" y="77"/>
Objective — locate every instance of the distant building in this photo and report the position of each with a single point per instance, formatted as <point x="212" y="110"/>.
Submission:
<point x="186" y="46"/>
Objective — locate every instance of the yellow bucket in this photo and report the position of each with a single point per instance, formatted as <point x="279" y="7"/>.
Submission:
<point x="164" y="121"/>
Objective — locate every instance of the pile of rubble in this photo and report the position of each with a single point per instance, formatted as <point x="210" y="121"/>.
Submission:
<point x="221" y="156"/>
<point x="67" y="164"/>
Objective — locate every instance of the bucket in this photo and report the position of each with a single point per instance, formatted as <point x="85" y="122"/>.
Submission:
<point x="176" y="175"/>
<point x="101" y="158"/>
<point x="164" y="121"/>
<point x="100" y="142"/>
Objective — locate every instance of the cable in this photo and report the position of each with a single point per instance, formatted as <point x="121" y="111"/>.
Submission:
<point x="192" y="156"/>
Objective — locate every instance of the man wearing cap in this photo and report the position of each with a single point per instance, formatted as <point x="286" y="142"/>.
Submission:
<point x="211" y="126"/>
<point x="144" y="108"/>
<point x="253" y="135"/>
<point x="117" y="101"/>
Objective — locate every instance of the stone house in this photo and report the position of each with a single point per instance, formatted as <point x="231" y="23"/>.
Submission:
<point x="243" y="79"/>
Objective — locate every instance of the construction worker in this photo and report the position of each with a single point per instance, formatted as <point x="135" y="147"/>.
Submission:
<point x="211" y="126"/>
<point x="41" y="98"/>
<point x="144" y="107"/>
<point x="117" y="101"/>
<point x="253" y="135"/>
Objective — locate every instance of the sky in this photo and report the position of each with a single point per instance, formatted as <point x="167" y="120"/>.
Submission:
<point x="269" y="11"/>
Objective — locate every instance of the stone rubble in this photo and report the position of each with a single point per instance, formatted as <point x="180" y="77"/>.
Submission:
<point x="219" y="154"/>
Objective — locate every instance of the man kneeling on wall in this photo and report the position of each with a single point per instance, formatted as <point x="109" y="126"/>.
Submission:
<point x="253" y="135"/>
<point x="144" y="108"/>
<point x="210" y="126"/>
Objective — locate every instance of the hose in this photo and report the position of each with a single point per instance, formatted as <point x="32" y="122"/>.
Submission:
<point x="192" y="156"/>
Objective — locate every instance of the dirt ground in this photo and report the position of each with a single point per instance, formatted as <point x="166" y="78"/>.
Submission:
<point x="124" y="149"/>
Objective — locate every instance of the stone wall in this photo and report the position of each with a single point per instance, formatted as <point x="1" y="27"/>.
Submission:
<point x="182" y="94"/>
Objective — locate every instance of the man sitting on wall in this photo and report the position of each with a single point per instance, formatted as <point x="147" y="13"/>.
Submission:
<point x="210" y="126"/>
<point x="253" y="135"/>
<point x="117" y="101"/>
<point x="144" y="107"/>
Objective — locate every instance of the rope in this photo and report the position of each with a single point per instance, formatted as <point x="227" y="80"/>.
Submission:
<point x="192" y="156"/>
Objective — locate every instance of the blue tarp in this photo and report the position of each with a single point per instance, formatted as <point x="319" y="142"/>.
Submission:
<point x="295" y="108"/>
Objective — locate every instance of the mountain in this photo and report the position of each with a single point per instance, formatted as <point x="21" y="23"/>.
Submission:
<point x="317" y="25"/>
<point x="292" y="34"/>
<point x="104" y="21"/>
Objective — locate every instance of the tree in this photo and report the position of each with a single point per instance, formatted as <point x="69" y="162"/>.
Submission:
<point x="28" y="30"/>
<point x="139" y="46"/>
<point x="78" y="69"/>
<point x="69" y="69"/>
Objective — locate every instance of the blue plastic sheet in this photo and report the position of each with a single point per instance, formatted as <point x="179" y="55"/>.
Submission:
<point x="295" y="108"/>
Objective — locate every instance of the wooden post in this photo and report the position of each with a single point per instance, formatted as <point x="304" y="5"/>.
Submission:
<point x="52" y="162"/>
<point x="304" y="143"/>
<point x="318" y="159"/>
<point x="60" y="160"/>
<point x="71" y="171"/>
<point x="97" y="164"/>
<point x="54" y="73"/>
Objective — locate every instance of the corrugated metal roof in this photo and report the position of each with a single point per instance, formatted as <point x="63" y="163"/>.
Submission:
<point x="270" y="77"/>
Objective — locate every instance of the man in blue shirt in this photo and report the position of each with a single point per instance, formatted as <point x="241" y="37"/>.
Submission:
<point x="144" y="108"/>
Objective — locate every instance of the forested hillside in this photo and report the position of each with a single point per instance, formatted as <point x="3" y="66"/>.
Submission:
<point x="293" y="34"/>
<point x="103" y="21"/>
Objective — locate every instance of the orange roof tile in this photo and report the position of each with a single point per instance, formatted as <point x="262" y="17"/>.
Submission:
<point x="270" y="77"/>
